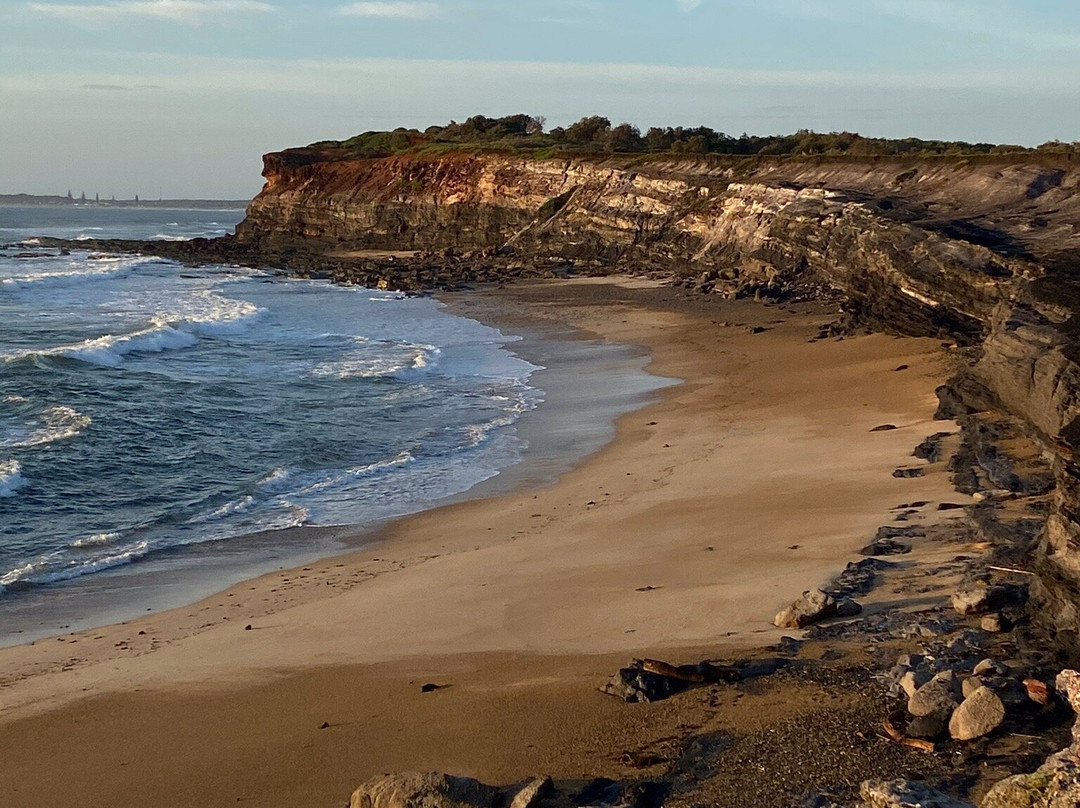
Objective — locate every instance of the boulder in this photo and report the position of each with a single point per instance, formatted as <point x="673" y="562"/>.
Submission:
<point x="980" y="599"/>
<point x="1054" y="785"/>
<point x="905" y="794"/>
<point x="979" y="714"/>
<point x="931" y="726"/>
<point x="636" y="686"/>
<point x="424" y="790"/>
<point x="939" y="694"/>
<point x="814" y="605"/>
<point x="846" y="607"/>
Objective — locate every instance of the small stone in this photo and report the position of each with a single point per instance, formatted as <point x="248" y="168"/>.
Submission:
<point x="979" y="714"/>
<point x="324" y="725"/>
<point x="885" y="428"/>
<point x="1037" y="691"/>
<point x="994" y="623"/>
<point x="990" y="666"/>
<point x="908" y="473"/>
<point x="430" y="687"/>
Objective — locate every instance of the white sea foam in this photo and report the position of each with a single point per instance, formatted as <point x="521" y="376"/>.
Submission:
<point x="55" y="567"/>
<point x="11" y="478"/>
<point x="240" y="505"/>
<point x="55" y="423"/>
<point x="408" y="362"/>
<point x="276" y="480"/>
<point x="73" y="273"/>
<point x="337" y="479"/>
<point x="205" y="313"/>
<point x="95" y="540"/>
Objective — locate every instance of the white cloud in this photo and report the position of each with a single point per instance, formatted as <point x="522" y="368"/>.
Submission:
<point x="187" y="12"/>
<point x="688" y="5"/>
<point x="392" y="10"/>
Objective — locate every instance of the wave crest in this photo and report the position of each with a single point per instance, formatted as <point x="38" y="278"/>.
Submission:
<point x="57" y="423"/>
<point x="11" y="478"/>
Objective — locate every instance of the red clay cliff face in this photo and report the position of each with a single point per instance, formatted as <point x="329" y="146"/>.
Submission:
<point x="983" y="251"/>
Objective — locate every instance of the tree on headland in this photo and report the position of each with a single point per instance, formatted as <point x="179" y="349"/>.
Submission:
<point x="82" y="196"/>
<point x="69" y="196"/>
<point x="136" y="199"/>
<point x="592" y="129"/>
<point x="525" y="134"/>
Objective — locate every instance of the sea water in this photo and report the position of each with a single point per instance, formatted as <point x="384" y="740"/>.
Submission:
<point x="148" y="408"/>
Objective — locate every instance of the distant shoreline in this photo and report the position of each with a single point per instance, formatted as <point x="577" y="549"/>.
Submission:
<point x="33" y="200"/>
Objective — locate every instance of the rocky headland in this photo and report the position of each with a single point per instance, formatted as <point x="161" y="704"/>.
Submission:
<point x="978" y="252"/>
<point x="982" y="252"/>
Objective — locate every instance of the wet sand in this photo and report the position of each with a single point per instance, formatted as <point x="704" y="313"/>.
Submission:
<point x="755" y="479"/>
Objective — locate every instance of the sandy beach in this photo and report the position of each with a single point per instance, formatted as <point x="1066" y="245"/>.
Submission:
<point x="757" y="477"/>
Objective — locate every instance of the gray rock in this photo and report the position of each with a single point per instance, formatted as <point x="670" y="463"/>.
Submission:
<point x="908" y="473"/>
<point x="995" y="623"/>
<point x="940" y="693"/>
<point x="991" y="666"/>
<point x="980" y="599"/>
<point x="424" y="790"/>
<point x="886" y="546"/>
<point x="532" y="792"/>
<point x="636" y="686"/>
<point x="1054" y="785"/>
<point x="971" y="684"/>
<point x="980" y="714"/>
<point x="905" y="794"/>
<point x="913" y="680"/>
<point x="846" y="607"/>
<point x="931" y="726"/>
<point x="814" y="605"/>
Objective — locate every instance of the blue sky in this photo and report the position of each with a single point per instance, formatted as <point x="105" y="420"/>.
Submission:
<point x="126" y="96"/>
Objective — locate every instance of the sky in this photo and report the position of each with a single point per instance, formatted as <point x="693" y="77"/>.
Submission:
<point x="182" y="97"/>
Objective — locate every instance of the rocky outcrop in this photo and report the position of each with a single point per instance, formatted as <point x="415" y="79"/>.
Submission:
<point x="979" y="251"/>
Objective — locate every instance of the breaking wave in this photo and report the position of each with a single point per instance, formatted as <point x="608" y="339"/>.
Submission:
<point x="56" y="423"/>
<point x="11" y="478"/>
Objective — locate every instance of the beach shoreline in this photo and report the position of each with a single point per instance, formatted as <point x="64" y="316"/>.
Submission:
<point x="188" y="574"/>
<point x="756" y="478"/>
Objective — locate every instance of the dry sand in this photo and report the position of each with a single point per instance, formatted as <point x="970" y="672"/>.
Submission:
<point x="755" y="479"/>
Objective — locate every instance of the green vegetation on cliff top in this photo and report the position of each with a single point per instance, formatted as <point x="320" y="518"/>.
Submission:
<point x="526" y="134"/>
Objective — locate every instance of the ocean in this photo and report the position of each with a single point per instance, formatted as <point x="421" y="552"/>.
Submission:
<point x="157" y="417"/>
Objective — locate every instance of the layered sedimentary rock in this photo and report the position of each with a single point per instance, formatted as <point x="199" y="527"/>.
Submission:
<point x="982" y="252"/>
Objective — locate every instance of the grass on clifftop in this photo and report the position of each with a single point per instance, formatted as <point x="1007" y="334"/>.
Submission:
<point x="526" y="135"/>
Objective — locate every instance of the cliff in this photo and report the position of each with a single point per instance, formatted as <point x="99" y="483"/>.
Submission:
<point x="981" y="251"/>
